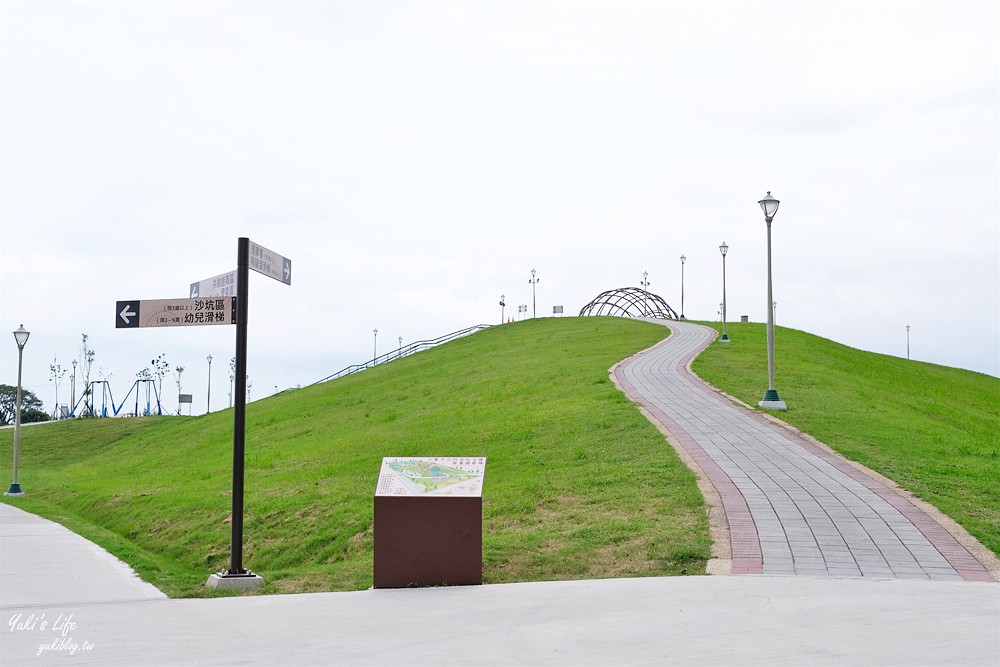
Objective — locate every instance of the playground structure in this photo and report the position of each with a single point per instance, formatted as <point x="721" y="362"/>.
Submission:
<point x="629" y="302"/>
<point x="91" y="408"/>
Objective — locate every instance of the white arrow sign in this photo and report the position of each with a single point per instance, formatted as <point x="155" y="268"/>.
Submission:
<point x="223" y="284"/>
<point x="270" y="263"/>
<point x="127" y="313"/>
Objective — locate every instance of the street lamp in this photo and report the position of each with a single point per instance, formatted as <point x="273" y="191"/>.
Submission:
<point x="645" y="289"/>
<point x="771" y="399"/>
<point x="20" y="337"/>
<point x="533" y="281"/>
<point x="683" y="259"/>
<point x="375" y="348"/>
<point x="209" y="401"/>
<point x="724" y="249"/>
<point x="907" y="341"/>
<point x="502" y="304"/>
<point x="399" y="352"/>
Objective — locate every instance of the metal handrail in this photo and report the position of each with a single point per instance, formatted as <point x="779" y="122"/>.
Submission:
<point x="399" y="353"/>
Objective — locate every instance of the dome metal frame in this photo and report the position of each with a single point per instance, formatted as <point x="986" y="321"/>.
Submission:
<point x="629" y="302"/>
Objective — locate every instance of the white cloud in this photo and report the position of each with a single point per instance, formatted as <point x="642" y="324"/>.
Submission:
<point x="416" y="160"/>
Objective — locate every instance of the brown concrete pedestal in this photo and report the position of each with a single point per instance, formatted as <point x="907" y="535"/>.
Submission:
<point x="428" y="541"/>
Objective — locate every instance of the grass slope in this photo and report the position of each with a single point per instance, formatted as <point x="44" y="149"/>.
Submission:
<point x="934" y="430"/>
<point x="578" y="484"/>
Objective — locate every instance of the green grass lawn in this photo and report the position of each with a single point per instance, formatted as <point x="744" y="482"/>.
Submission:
<point x="578" y="483"/>
<point x="934" y="430"/>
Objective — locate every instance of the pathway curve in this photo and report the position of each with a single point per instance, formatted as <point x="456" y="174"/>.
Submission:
<point x="792" y="507"/>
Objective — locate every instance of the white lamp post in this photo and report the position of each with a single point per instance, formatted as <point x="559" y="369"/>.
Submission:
<point x="683" y="259"/>
<point x="907" y="341"/>
<point x="20" y="337"/>
<point x="771" y="399"/>
<point x="724" y="249"/>
<point x="209" y="402"/>
<point x="502" y="304"/>
<point x="533" y="281"/>
<point x="645" y="289"/>
<point x="375" y="348"/>
<point x="72" y="390"/>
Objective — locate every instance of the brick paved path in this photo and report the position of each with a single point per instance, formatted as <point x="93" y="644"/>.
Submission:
<point x="792" y="507"/>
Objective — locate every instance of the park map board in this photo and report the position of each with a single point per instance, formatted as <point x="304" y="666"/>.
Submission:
<point x="457" y="476"/>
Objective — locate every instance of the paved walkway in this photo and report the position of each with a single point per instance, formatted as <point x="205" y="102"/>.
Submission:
<point x="792" y="507"/>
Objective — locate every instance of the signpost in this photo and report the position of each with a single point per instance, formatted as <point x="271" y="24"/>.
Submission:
<point x="174" y="312"/>
<point x="248" y="256"/>
<point x="213" y="302"/>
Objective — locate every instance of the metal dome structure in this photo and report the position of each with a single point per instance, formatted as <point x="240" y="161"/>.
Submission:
<point x="629" y="302"/>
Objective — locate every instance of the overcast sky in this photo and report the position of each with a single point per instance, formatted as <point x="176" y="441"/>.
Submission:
<point x="416" y="160"/>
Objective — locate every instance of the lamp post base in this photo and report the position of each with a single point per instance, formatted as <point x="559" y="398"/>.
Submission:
<point x="682" y="317"/>
<point x="724" y="339"/>
<point x="15" y="490"/>
<point x="240" y="582"/>
<point x="772" y="401"/>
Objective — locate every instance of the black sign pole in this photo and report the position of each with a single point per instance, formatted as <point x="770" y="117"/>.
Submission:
<point x="240" y="403"/>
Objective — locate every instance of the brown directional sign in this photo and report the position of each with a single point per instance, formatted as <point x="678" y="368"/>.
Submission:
<point x="175" y="312"/>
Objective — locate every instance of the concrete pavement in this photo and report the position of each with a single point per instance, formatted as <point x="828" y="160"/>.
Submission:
<point x="738" y="620"/>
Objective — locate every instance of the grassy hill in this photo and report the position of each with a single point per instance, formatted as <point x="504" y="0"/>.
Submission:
<point x="578" y="483"/>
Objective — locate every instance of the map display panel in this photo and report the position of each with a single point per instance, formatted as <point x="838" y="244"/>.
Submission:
<point x="459" y="476"/>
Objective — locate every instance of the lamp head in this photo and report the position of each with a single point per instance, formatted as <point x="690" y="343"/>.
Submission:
<point x="683" y="259"/>
<point x="769" y="205"/>
<point x="723" y="248"/>
<point x="21" y="336"/>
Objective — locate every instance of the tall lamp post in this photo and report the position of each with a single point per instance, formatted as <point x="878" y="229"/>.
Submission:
<point x="683" y="259"/>
<point x="72" y="390"/>
<point x="20" y="337"/>
<point x="907" y="341"/>
<point x="399" y="350"/>
<point x="724" y="249"/>
<point x="771" y="399"/>
<point x="375" y="348"/>
<point x="645" y="289"/>
<point x="208" y="403"/>
<point x="533" y="281"/>
<point x="502" y="304"/>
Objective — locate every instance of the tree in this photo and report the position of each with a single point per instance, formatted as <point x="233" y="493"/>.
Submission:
<point x="160" y="368"/>
<point x="57" y="372"/>
<point x="86" y="361"/>
<point x="8" y="404"/>
<point x="31" y="415"/>
<point x="144" y="376"/>
<point x="179" y="370"/>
